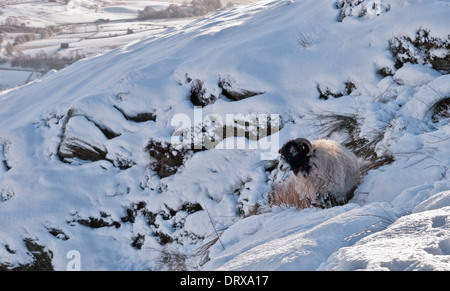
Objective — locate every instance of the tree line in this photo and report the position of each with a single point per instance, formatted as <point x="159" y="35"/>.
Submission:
<point x="43" y="62"/>
<point x="196" y="8"/>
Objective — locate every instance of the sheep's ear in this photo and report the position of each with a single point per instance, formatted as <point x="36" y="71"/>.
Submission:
<point x="310" y="152"/>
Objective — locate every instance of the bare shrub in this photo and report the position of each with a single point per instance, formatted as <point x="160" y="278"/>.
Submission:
<point x="307" y="35"/>
<point x="12" y="21"/>
<point x="173" y="260"/>
<point x="422" y="49"/>
<point x="198" y="94"/>
<point x="165" y="160"/>
<point x="41" y="258"/>
<point x="325" y="92"/>
<point x="95" y="222"/>
<point x="440" y="110"/>
<point x="304" y="39"/>
<point x="42" y="62"/>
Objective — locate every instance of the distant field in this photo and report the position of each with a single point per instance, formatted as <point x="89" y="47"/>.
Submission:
<point x="88" y="27"/>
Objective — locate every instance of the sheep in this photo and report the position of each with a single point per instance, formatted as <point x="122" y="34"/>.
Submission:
<point x="325" y="174"/>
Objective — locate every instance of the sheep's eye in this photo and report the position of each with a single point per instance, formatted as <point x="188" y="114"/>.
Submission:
<point x="293" y="151"/>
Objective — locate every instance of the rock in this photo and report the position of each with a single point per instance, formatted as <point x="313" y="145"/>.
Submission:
<point x="82" y="140"/>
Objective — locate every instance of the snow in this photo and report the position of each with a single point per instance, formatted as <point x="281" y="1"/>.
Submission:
<point x="11" y="79"/>
<point x="214" y="210"/>
<point x="415" y="75"/>
<point x="436" y="201"/>
<point x="89" y="27"/>
<point x="419" y="241"/>
<point x="289" y="241"/>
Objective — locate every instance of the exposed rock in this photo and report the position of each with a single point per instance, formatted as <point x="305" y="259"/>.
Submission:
<point x="82" y="140"/>
<point x="139" y="117"/>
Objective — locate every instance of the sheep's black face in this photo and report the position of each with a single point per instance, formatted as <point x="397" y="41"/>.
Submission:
<point x="295" y="157"/>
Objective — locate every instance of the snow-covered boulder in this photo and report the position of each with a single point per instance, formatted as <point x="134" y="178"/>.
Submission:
<point x="82" y="140"/>
<point x="420" y="241"/>
<point x="415" y="75"/>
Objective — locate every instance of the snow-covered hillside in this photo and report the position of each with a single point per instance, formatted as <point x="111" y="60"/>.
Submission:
<point x="91" y="179"/>
<point x="37" y="36"/>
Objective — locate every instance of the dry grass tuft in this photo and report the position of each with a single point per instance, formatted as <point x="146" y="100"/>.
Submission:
<point x="440" y="110"/>
<point x="363" y="148"/>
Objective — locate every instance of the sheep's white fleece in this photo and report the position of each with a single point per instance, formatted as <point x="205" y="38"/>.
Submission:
<point x="334" y="170"/>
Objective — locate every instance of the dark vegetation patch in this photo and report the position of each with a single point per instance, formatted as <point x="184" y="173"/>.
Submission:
<point x="243" y="209"/>
<point x="191" y="207"/>
<point x="138" y="241"/>
<point x="167" y="214"/>
<point x="325" y="92"/>
<point x="385" y="72"/>
<point x="122" y="162"/>
<point x="41" y="258"/>
<point x="422" y="49"/>
<point x="198" y="94"/>
<point x="57" y="233"/>
<point x="6" y="193"/>
<point x="4" y="148"/>
<point x="165" y="159"/>
<point x="440" y="110"/>
<point x="138" y="209"/>
<point x="173" y="260"/>
<point x="360" y="146"/>
<point x="163" y="238"/>
<point x="95" y="222"/>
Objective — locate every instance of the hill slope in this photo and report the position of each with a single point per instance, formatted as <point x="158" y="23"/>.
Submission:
<point x="88" y="163"/>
